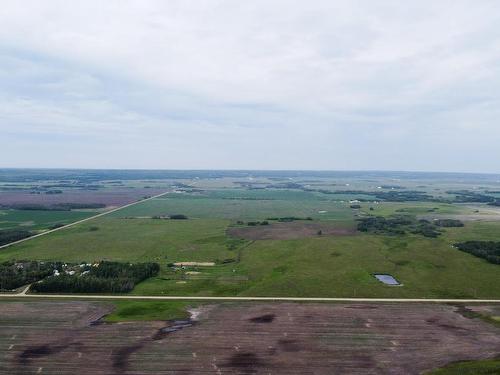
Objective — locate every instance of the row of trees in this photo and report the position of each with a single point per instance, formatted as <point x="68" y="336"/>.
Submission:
<point x="287" y="219"/>
<point x="83" y="284"/>
<point x="14" y="274"/>
<point x="108" y="277"/>
<point x="11" y="235"/>
<point x="114" y="270"/>
<point x="171" y="217"/>
<point x="488" y="250"/>
<point x="52" y="207"/>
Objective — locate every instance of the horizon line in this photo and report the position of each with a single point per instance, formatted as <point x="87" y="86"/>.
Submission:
<point x="249" y="170"/>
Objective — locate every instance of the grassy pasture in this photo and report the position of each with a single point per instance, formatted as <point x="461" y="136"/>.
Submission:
<point x="239" y="209"/>
<point x="131" y="240"/>
<point x="147" y="310"/>
<point x="37" y="220"/>
<point x="486" y="367"/>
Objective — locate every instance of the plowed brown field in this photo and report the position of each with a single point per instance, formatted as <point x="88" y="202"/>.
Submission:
<point x="242" y="338"/>
<point x="289" y="231"/>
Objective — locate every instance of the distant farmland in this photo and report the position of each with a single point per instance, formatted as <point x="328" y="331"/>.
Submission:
<point x="340" y="263"/>
<point x="108" y="197"/>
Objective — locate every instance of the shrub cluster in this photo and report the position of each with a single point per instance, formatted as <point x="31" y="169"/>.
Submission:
<point x="397" y="225"/>
<point x="287" y="219"/>
<point x="448" y="223"/>
<point x="255" y="223"/>
<point x="178" y="217"/>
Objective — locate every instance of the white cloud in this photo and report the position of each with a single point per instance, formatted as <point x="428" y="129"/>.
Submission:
<point x="235" y="77"/>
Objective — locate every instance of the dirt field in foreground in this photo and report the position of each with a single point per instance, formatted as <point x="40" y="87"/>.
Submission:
<point x="250" y="338"/>
<point x="289" y="231"/>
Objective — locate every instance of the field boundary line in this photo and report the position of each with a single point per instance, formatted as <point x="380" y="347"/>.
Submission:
<point x="261" y="299"/>
<point x="83" y="220"/>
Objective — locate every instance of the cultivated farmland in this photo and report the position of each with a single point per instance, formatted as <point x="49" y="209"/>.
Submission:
<point x="309" y="246"/>
<point x="242" y="339"/>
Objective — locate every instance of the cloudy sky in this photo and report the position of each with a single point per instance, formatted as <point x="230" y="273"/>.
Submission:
<point x="331" y="85"/>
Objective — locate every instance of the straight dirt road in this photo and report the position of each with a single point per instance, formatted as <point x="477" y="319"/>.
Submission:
<point x="83" y="220"/>
<point x="23" y="294"/>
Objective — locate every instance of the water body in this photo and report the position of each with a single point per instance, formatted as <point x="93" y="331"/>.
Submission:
<point x="386" y="279"/>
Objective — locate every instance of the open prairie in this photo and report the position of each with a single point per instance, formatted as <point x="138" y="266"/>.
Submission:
<point x="39" y="219"/>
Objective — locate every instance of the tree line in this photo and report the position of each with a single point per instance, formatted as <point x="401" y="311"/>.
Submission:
<point x="488" y="250"/>
<point x="12" y="235"/>
<point x="107" y="277"/>
<point x="14" y="274"/>
<point x="52" y="207"/>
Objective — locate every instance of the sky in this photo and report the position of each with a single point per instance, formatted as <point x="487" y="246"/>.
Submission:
<point x="261" y="84"/>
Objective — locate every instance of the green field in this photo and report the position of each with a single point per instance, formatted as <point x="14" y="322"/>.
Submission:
<point x="145" y="310"/>
<point x="38" y="220"/>
<point x="322" y="266"/>
<point x="238" y="204"/>
<point x="486" y="367"/>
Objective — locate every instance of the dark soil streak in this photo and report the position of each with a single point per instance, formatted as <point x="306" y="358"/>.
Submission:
<point x="289" y="345"/>
<point x="362" y="307"/>
<point x="177" y="325"/>
<point x="246" y="362"/>
<point x="267" y="318"/>
<point x="121" y="358"/>
<point x="40" y="351"/>
<point x="447" y="326"/>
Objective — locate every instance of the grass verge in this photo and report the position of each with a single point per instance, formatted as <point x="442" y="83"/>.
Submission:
<point x="147" y="310"/>
<point x="486" y="367"/>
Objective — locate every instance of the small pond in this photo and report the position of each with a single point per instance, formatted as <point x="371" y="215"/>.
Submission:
<point x="386" y="279"/>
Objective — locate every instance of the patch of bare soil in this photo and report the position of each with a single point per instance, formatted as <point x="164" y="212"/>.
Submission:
<point x="245" y="338"/>
<point x="289" y="231"/>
